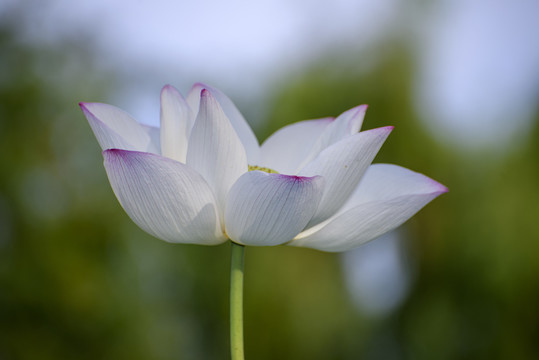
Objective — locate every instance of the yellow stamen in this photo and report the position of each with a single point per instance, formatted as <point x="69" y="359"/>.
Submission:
<point x="265" y="169"/>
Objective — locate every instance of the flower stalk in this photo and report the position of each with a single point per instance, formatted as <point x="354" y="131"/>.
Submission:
<point x="236" y="302"/>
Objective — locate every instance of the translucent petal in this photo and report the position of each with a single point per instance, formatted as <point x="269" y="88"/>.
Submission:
<point x="215" y="150"/>
<point x="345" y="125"/>
<point x="342" y="165"/>
<point x="114" y="128"/>
<point x="270" y="209"/>
<point x="242" y="128"/>
<point x="288" y="147"/>
<point x="387" y="196"/>
<point x="164" y="197"/>
<point x="176" y="123"/>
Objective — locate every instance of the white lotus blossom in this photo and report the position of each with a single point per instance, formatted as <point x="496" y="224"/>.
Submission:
<point x="312" y="183"/>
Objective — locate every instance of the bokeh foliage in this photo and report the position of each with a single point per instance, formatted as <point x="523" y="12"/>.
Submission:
<point x="78" y="280"/>
<point x="476" y="291"/>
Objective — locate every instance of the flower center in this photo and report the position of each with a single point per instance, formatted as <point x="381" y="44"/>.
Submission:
<point x="265" y="169"/>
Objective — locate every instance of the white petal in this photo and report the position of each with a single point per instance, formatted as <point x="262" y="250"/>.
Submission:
<point x="237" y="120"/>
<point x="155" y="138"/>
<point x="270" y="209"/>
<point x="346" y="124"/>
<point x="215" y="150"/>
<point x="387" y="196"/>
<point x="176" y="123"/>
<point x="193" y="97"/>
<point x="164" y="197"/>
<point x="114" y="128"/>
<point x="342" y="165"/>
<point x="288" y="147"/>
<point x="388" y="181"/>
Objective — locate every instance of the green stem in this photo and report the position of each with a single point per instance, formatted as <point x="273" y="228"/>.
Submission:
<point x="236" y="302"/>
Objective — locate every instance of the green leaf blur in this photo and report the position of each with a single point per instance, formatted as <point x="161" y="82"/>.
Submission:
<point x="78" y="280"/>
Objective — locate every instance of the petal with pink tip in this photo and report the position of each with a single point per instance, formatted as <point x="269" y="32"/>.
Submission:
<point x="215" y="150"/>
<point x="164" y="197"/>
<point x="288" y="147"/>
<point x="176" y="123"/>
<point x="342" y="165"/>
<point x="114" y="128"/>
<point x="237" y="120"/>
<point x="346" y="124"/>
<point x="270" y="209"/>
<point x="387" y="196"/>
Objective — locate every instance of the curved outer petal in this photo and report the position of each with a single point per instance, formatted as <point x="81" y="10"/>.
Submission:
<point x="346" y="124"/>
<point x="270" y="209"/>
<point x="114" y="128"/>
<point x="176" y="123"/>
<point x="387" y="196"/>
<point x="215" y="150"/>
<point x="165" y="198"/>
<point x="342" y="165"/>
<point x="242" y="128"/>
<point x="288" y="147"/>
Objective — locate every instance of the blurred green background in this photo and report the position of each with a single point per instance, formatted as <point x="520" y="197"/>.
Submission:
<point x="78" y="280"/>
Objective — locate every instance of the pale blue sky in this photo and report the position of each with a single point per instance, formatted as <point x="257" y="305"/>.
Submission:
<point x="477" y="75"/>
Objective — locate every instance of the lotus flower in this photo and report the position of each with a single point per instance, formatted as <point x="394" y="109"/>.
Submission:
<point x="311" y="185"/>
